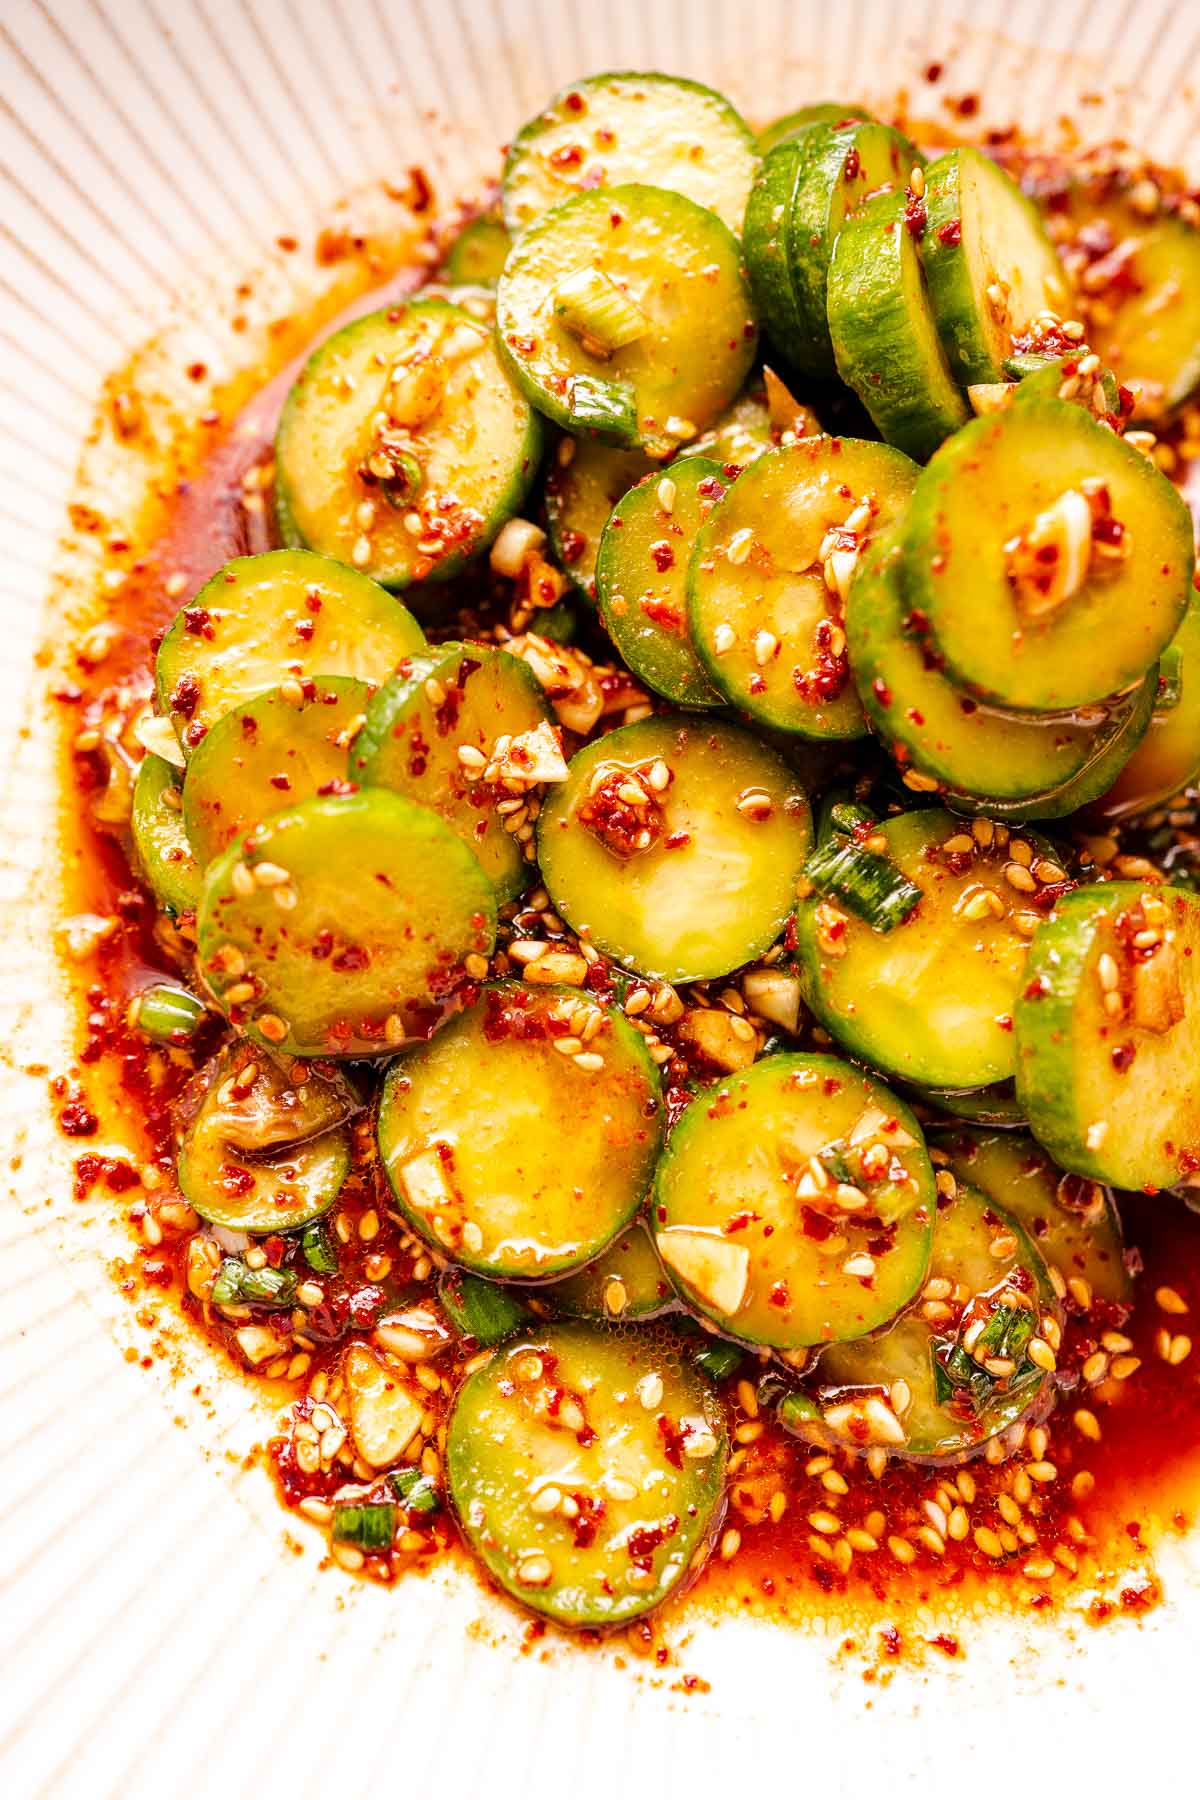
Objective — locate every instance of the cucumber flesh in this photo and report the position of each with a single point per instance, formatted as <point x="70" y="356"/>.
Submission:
<point x="627" y="1282"/>
<point x="384" y="905"/>
<point x="931" y="1001"/>
<point x="286" y="615"/>
<point x="267" y="754"/>
<point x="794" y="124"/>
<point x="751" y="1210"/>
<point x="160" y="842"/>
<point x="515" y="1158"/>
<point x="477" y="255"/>
<point x="616" y="128"/>
<point x="1106" y="1073"/>
<point x="587" y="1468"/>
<point x="1167" y="759"/>
<point x="992" y="1106"/>
<point x="641" y="577"/>
<point x="404" y="414"/>
<point x="712" y="887"/>
<point x="580" y="495"/>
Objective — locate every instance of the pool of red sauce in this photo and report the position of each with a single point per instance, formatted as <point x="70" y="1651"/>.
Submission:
<point x="1146" y="1468"/>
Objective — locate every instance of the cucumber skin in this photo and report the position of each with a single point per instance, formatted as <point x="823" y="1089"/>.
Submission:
<point x="765" y="243"/>
<point x="792" y="125"/>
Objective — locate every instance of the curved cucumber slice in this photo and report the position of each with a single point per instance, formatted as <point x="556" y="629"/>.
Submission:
<point x="587" y="1470"/>
<point x="1058" y="379"/>
<point x="286" y="615"/>
<point x="793" y="124"/>
<point x="842" y="166"/>
<point x="160" y="841"/>
<point x="744" y="431"/>
<point x="1105" y="1035"/>
<point x="963" y="1358"/>
<point x="668" y="264"/>
<point x="267" y="1151"/>
<point x="406" y="414"/>
<point x="461" y="694"/>
<point x="627" y="1282"/>
<point x="1168" y="757"/>
<point x="794" y="1203"/>
<point x="765" y="236"/>
<point x="994" y="1106"/>
<point x="726" y="837"/>
<point x="616" y="128"/>
<point x="580" y="496"/>
<point x="931" y="1001"/>
<point x="510" y="1154"/>
<point x="928" y="725"/>
<point x="382" y="904"/>
<point x="885" y="342"/>
<point x="997" y="506"/>
<point x="641" y="577"/>
<point x="478" y="254"/>
<point x="1074" y="1223"/>
<point x="768" y="572"/>
<point x="990" y="265"/>
<point x="1147" y="322"/>
<point x="267" y="754"/>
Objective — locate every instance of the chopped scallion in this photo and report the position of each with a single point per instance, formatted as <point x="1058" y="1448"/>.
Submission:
<point x="479" y="1309"/>
<point x="606" y="406"/>
<point x="415" y="1492"/>
<point x="320" y="1251"/>
<point x="370" y="1527"/>
<point x="236" y="1285"/>
<point x="601" y="315"/>
<point x="168" y="1014"/>
<point x="871" y="886"/>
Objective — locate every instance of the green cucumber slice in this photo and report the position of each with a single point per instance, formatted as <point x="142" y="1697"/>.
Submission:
<point x="641" y="577"/>
<point x="1074" y="1223"/>
<point x="286" y="615"/>
<point x="267" y="754"/>
<point x="403" y="445"/>
<point x="681" y="266"/>
<point x="1058" y="378"/>
<point x="587" y="1470"/>
<point x="996" y="1105"/>
<point x="460" y="695"/>
<point x="765" y="614"/>
<point x="929" y="726"/>
<point x="616" y="128"/>
<point x="750" y="1212"/>
<point x="792" y="124"/>
<point x="989" y="1273"/>
<point x="765" y="236"/>
<point x="267" y="1150"/>
<point x="580" y="495"/>
<point x="478" y="254"/>
<point x="842" y="166"/>
<point x="990" y="265"/>
<point x="512" y="1156"/>
<point x="981" y="495"/>
<point x="1107" y="1074"/>
<point x="385" y="904"/>
<point x="712" y="888"/>
<point x="744" y="431"/>
<point x="1167" y="759"/>
<point x="160" y="842"/>
<point x="884" y="339"/>
<point x="627" y="1282"/>
<point x="930" y="1001"/>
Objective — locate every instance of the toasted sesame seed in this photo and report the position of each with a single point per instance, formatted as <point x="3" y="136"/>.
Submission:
<point x="987" y="1541"/>
<point x="665" y="494"/>
<point x="916" y="181"/>
<point x="1170" y="1300"/>
<point x="901" y="1549"/>
<point x="724" y="638"/>
<point x="535" y="1571"/>
<point x="731" y="1543"/>
<point x="765" y="646"/>
<point x="649" y="1391"/>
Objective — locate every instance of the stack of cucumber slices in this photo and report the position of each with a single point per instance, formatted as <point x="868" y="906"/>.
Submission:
<point x="701" y="912"/>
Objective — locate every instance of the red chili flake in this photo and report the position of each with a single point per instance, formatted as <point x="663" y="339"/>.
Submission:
<point x="198" y="621"/>
<point x="352" y="958"/>
<point x="77" y="1119"/>
<point x="967" y="106"/>
<point x="282" y="782"/>
<point x="916" y="215"/>
<point x="950" y="232"/>
<point x="933" y="72"/>
<point x="672" y="1439"/>
<point x="662" y="555"/>
<point x="1122" y="1057"/>
<point x="566" y="156"/>
<point x="572" y="545"/>
<point x="853" y="164"/>
<point x="881" y="691"/>
<point x="186" y="696"/>
<point x="117" y="1175"/>
<point x="305" y="629"/>
<point x="234" y="1179"/>
<point x="710" y="488"/>
<point x="338" y="786"/>
<point x="575" y="102"/>
<point x="779" y="1294"/>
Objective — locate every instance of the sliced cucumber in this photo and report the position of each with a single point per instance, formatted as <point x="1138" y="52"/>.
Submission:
<point x="793" y="124"/>
<point x="587" y="1470"/>
<point x="615" y="128"/>
<point x="580" y="496"/>
<point x="990" y="265"/>
<point x="627" y="1282"/>
<point x="842" y="166"/>
<point x="744" y="430"/>
<point x="769" y="571"/>
<point x="1074" y="1223"/>
<point x="916" y="1389"/>
<point x="641" y="577"/>
<point x="461" y="695"/>
<point x="678" y="268"/>
<point x="403" y="445"/>
<point x="998" y="505"/>
<point x="794" y="1203"/>
<point x="381" y="905"/>
<point x="1167" y="759"/>
<point x="1058" y="378"/>
<point x="160" y="842"/>
<point x="928" y="725"/>
<point x="1105" y="1035"/>
<point x="1144" y="290"/>
<point x="286" y="615"/>
<point x="267" y="1149"/>
<point x="511" y="1155"/>
<point x="994" y="1106"/>
<point x="765" y="236"/>
<point x="477" y="256"/>
<point x="885" y="342"/>
<point x="726" y="834"/>
<point x="931" y="1001"/>
<point x="267" y="754"/>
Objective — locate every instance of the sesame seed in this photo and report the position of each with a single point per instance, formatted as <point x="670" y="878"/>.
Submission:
<point x="987" y="1541"/>
<point x="916" y="181"/>
<point x="731" y="1543"/>
<point x="1125" y="1366"/>
<point x="1170" y="1300"/>
<point x="649" y="1391"/>
<point x="765" y="646"/>
<point x="273" y="1028"/>
<point x="665" y="494"/>
<point x="902" y="1550"/>
<point x="590" y="1061"/>
<point x="535" y="1571"/>
<point x="724" y="638"/>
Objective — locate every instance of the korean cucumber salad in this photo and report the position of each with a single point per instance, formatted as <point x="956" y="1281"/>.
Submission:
<point x="641" y="857"/>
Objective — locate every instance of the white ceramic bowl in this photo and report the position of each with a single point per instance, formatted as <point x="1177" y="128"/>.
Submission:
<point x="160" y="1633"/>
